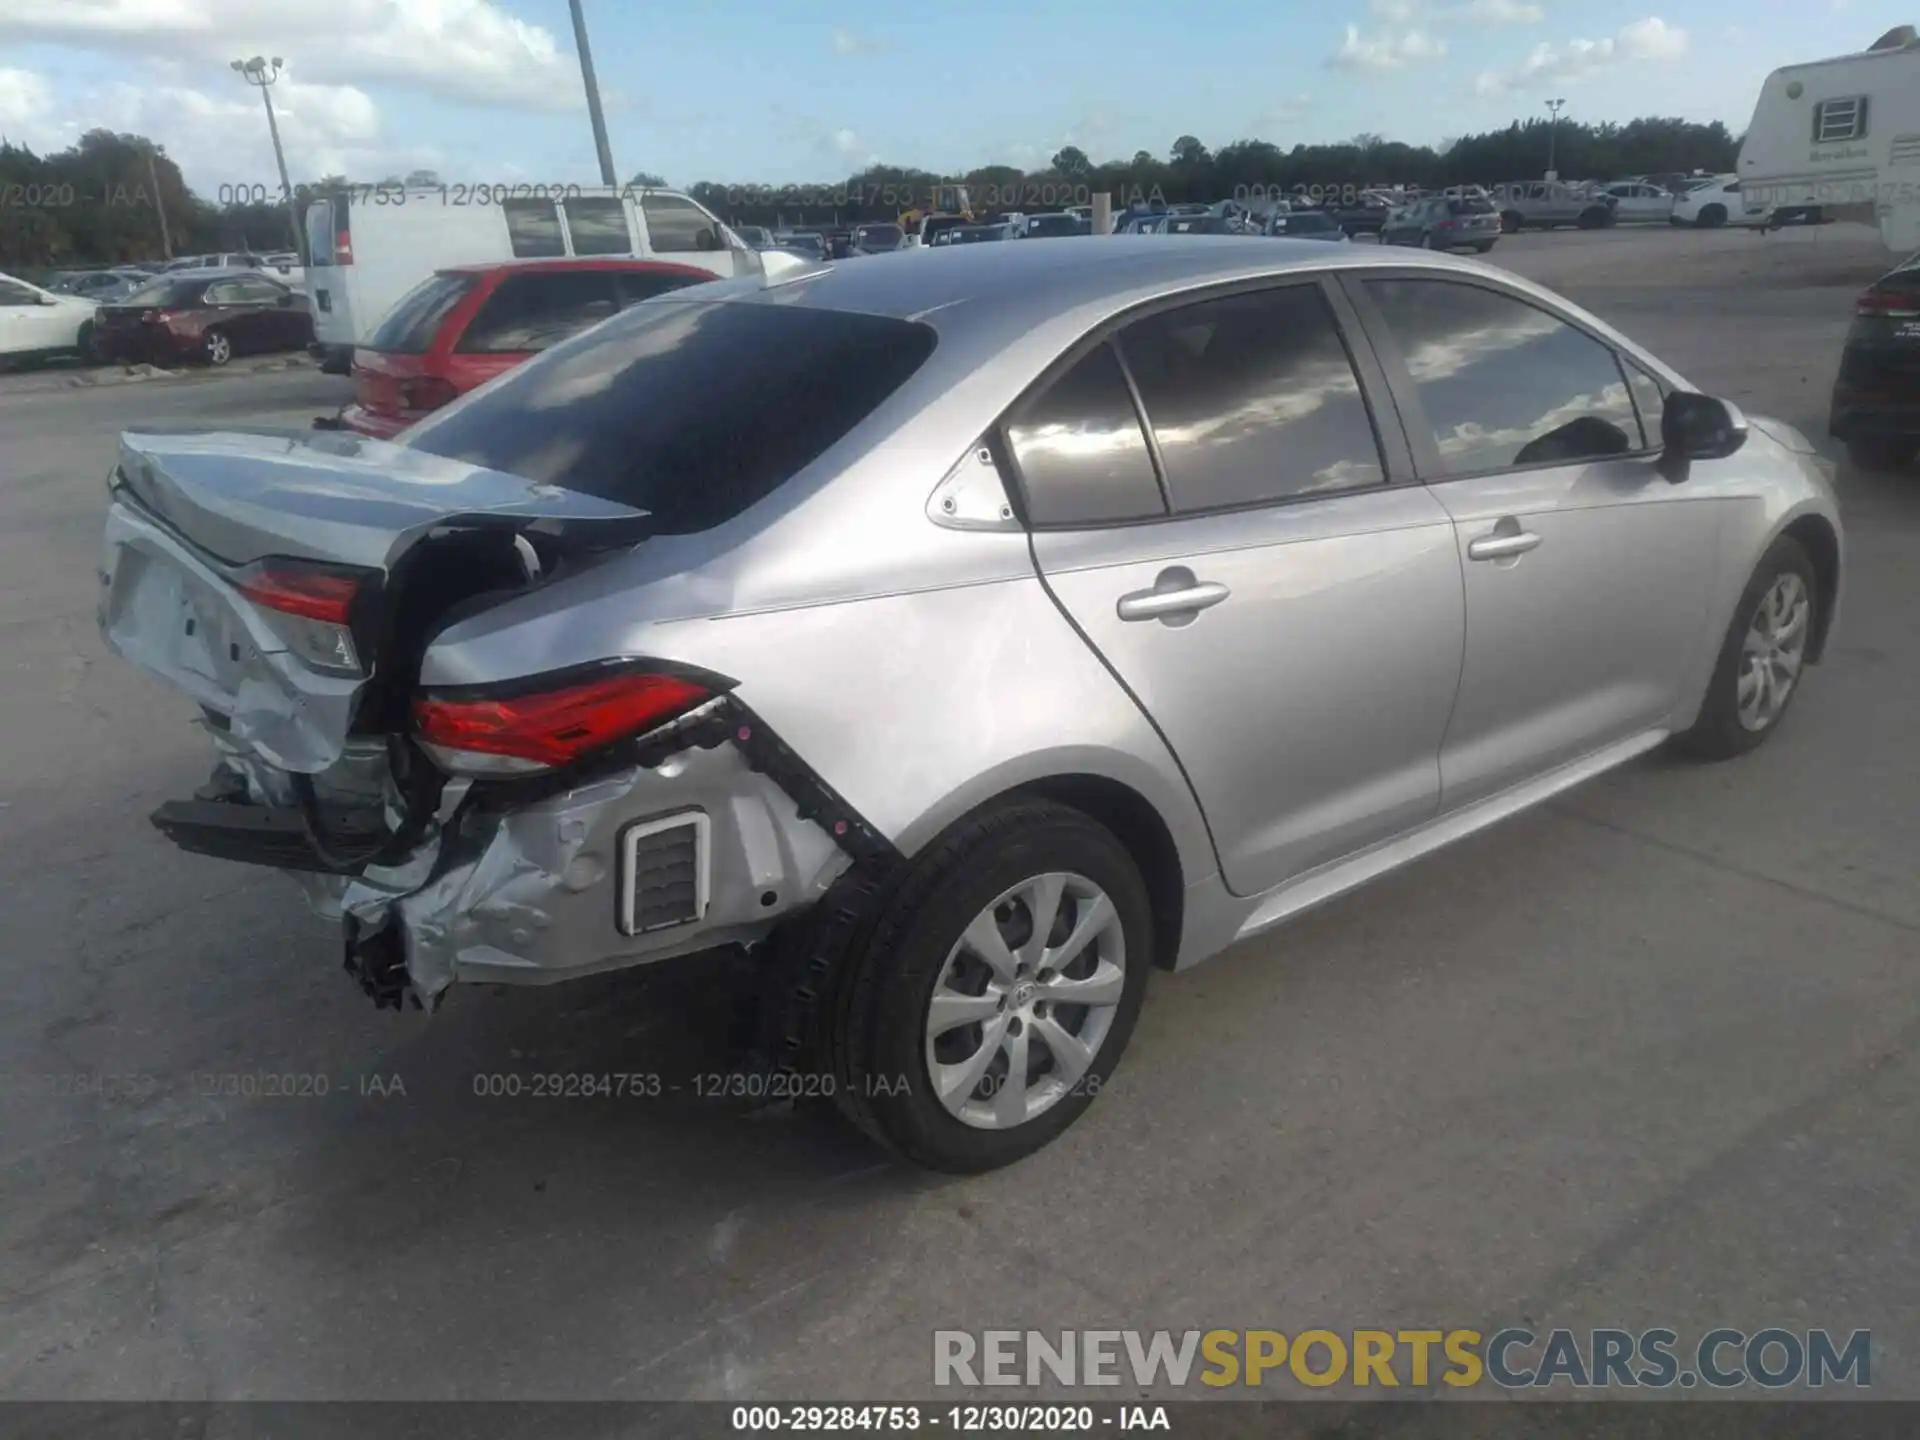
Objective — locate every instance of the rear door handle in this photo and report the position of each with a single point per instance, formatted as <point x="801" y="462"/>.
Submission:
<point x="1189" y="599"/>
<point x="1501" y="545"/>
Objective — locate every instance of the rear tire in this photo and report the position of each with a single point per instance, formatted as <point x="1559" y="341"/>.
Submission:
<point x="84" y="346"/>
<point x="988" y="877"/>
<point x="216" y="348"/>
<point x="1762" y="659"/>
<point x="1485" y="247"/>
<point x="1881" y="454"/>
<point x="1512" y="221"/>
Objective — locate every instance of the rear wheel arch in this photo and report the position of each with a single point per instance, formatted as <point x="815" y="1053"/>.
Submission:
<point x="1817" y="537"/>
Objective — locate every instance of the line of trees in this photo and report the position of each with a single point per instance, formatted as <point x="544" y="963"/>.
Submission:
<point x="101" y="201"/>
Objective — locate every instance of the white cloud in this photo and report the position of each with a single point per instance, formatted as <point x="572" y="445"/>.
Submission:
<point x="854" y="42"/>
<point x="1651" y="39"/>
<point x="468" y="50"/>
<point x="1385" y="51"/>
<point x="26" y="101"/>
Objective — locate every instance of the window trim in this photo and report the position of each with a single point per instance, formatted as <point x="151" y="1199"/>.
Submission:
<point x="1406" y="391"/>
<point x="1398" y="463"/>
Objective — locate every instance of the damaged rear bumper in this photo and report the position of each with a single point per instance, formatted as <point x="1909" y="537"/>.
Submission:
<point x="704" y="847"/>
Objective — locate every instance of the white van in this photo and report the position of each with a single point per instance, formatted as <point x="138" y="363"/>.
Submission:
<point x="370" y="245"/>
<point x="1842" y="132"/>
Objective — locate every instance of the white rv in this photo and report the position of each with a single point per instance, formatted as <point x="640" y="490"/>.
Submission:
<point x="1843" y="132"/>
<point x="369" y="245"/>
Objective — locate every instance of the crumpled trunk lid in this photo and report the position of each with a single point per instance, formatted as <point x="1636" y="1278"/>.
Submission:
<point x="190" y="509"/>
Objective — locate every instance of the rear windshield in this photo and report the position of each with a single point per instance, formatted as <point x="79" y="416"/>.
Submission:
<point x="162" y="293"/>
<point x="412" y="323"/>
<point x="879" y="235"/>
<point x="690" y="411"/>
<point x="1041" y="226"/>
<point x="1469" y="207"/>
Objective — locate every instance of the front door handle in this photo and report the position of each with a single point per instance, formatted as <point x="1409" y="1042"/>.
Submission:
<point x="1182" y="600"/>
<point x="1502" y="544"/>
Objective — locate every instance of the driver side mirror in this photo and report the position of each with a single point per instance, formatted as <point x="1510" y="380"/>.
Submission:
<point x="1697" y="427"/>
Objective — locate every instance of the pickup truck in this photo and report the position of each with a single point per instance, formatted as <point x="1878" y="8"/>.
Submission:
<point x="1546" y="204"/>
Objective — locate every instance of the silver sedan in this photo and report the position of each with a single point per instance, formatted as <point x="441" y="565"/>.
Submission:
<point x="964" y="635"/>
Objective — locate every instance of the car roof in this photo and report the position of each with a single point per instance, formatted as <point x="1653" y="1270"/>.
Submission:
<point x="567" y="262"/>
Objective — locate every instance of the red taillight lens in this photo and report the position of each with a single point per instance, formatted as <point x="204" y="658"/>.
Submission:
<point x="428" y="392"/>
<point x="312" y="592"/>
<point x="1887" y="302"/>
<point x="553" y="727"/>
<point x="343" y="248"/>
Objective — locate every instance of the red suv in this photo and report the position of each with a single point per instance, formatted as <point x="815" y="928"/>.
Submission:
<point x="466" y="324"/>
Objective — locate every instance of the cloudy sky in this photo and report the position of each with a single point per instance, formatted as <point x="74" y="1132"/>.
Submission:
<point x="767" y="91"/>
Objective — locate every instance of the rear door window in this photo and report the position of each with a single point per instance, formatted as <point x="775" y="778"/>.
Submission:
<point x="533" y="229"/>
<point x="533" y="312"/>
<point x="410" y="326"/>
<point x="691" y="411"/>
<point x="1252" y="399"/>
<point x="597" y="225"/>
<point x="1080" y="451"/>
<point x="675" y="224"/>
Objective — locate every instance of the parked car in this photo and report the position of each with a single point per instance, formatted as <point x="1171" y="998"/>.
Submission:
<point x="368" y="247"/>
<point x="808" y="244"/>
<point x="1364" y="215"/>
<point x="876" y="239"/>
<point x="204" y="315"/>
<point x="1443" y="224"/>
<point x="37" y="324"/>
<point x="1876" y="396"/>
<point x="469" y="323"/>
<point x="1546" y="205"/>
<point x="1052" y="225"/>
<point x="1639" y="202"/>
<point x="223" y="260"/>
<point x="1305" y="225"/>
<point x="756" y="237"/>
<point x="584" y="672"/>
<point x="1718" y="202"/>
<point x="285" y="266"/>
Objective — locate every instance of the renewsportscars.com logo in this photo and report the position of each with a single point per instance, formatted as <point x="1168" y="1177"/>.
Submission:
<point x="1512" y="1359"/>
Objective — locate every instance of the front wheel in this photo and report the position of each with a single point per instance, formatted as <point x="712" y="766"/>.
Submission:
<point x="1761" y="659"/>
<point x="85" y="347"/>
<point x="1511" y="221"/>
<point x="989" y="1000"/>
<point x="1712" y="217"/>
<point x="1485" y="247"/>
<point x="216" y="347"/>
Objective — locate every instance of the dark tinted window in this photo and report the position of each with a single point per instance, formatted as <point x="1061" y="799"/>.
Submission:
<point x="1080" y="450"/>
<point x="534" y="311"/>
<point x="1252" y="399"/>
<point x="598" y="225"/>
<point x="533" y="229"/>
<point x="320" y="235"/>
<point x="691" y="411"/>
<point x="410" y="326"/>
<point x="880" y="237"/>
<point x="14" y="294"/>
<point x="1504" y="383"/>
<point x="1041" y="226"/>
<point x="674" y="225"/>
<point x="1308" y="222"/>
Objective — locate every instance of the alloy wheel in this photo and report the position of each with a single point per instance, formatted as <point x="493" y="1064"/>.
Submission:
<point x="219" y="348"/>
<point x="1773" y="651"/>
<point x="1024" y="1000"/>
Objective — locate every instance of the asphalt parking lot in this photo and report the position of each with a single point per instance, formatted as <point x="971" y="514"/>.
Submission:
<point x="1643" y="1057"/>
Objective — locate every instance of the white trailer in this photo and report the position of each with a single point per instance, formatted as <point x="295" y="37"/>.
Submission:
<point x="1845" y="132"/>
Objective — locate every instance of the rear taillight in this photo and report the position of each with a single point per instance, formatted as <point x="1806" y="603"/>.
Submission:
<point x="538" y="726"/>
<point x="342" y="247"/>
<point x="428" y="392"/>
<point x="1887" y="303"/>
<point x="310" y="607"/>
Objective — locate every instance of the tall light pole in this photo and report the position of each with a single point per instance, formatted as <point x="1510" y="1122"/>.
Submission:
<point x="607" y="176"/>
<point x="262" y="73"/>
<point x="1553" y="134"/>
